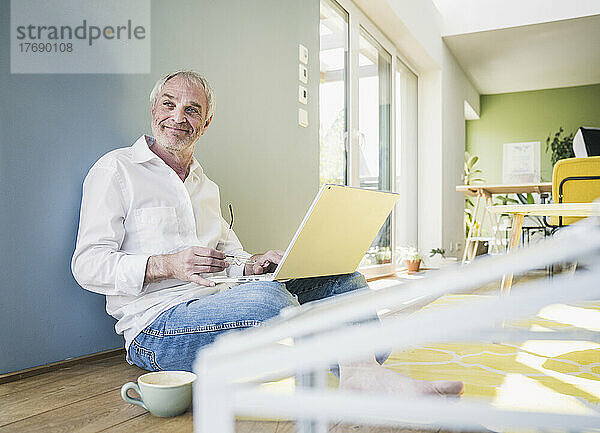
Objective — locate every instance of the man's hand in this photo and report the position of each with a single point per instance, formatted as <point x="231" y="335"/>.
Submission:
<point x="186" y="265"/>
<point x="263" y="263"/>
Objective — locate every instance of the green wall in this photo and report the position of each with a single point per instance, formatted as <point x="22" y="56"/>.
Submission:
<point x="529" y="116"/>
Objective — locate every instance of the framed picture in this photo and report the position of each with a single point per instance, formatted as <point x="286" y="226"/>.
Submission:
<point x="521" y="162"/>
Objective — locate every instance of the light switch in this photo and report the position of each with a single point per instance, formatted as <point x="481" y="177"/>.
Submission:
<point x="302" y="94"/>
<point x="302" y="117"/>
<point x="303" y="54"/>
<point x="302" y="73"/>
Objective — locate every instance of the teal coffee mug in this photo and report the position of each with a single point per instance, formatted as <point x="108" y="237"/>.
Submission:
<point x="162" y="393"/>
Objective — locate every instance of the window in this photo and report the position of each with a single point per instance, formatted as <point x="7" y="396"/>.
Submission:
<point x="333" y="123"/>
<point x="406" y="123"/>
<point x="374" y="103"/>
<point x="374" y="100"/>
<point x="363" y="101"/>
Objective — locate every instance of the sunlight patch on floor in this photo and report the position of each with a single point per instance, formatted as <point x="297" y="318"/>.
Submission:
<point x="522" y="393"/>
<point x="580" y="317"/>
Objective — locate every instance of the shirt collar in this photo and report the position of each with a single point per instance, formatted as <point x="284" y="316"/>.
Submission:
<point x="142" y="153"/>
<point x="196" y="167"/>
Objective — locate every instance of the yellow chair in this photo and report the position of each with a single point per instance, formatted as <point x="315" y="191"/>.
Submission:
<point x="575" y="180"/>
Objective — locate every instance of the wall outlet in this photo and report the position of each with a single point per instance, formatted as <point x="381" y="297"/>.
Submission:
<point x="302" y="73"/>
<point x="302" y="95"/>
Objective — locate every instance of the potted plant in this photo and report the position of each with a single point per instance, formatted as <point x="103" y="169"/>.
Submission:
<point x="412" y="259"/>
<point x="437" y="258"/>
<point x="562" y="147"/>
<point x="471" y="175"/>
<point x="439" y="251"/>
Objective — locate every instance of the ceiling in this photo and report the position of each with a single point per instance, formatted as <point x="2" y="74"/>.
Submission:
<point x="530" y="57"/>
<point x="468" y="16"/>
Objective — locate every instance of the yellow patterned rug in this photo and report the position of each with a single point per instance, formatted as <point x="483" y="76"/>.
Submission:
<point x="543" y="376"/>
<point x="538" y="375"/>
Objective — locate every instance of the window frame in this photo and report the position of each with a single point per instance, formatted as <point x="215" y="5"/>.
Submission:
<point x="357" y="20"/>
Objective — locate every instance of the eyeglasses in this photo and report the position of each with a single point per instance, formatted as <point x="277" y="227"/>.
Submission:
<point x="231" y="214"/>
<point x="239" y="261"/>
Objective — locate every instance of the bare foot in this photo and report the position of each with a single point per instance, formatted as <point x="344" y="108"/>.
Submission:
<point x="370" y="376"/>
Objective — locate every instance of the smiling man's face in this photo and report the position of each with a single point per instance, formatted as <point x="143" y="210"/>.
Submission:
<point x="179" y="115"/>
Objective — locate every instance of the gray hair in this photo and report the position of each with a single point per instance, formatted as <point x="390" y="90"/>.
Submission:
<point x="192" y="78"/>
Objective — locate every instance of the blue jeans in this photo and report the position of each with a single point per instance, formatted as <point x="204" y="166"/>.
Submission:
<point x="173" y="339"/>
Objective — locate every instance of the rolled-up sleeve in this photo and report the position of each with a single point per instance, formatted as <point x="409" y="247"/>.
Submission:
<point x="98" y="264"/>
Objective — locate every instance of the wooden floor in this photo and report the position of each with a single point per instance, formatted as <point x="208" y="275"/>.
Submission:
<point x="86" y="398"/>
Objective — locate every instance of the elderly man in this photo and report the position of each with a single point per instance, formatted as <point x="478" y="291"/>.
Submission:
<point x="151" y="230"/>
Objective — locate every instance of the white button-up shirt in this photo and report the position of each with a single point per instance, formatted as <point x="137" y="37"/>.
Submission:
<point x="135" y="206"/>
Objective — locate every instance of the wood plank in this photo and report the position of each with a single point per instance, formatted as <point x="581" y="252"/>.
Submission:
<point x="549" y="209"/>
<point x="149" y="423"/>
<point x="244" y="426"/>
<point x="513" y="243"/>
<point x="41" y="369"/>
<point x="62" y="373"/>
<point x="285" y="427"/>
<point x="66" y="390"/>
<point x="356" y="428"/>
<point x="523" y="188"/>
<point x="184" y="423"/>
<point x="85" y="416"/>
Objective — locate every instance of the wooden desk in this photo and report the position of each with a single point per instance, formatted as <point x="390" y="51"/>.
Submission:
<point x="552" y="209"/>
<point x="521" y="188"/>
<point x="485" y="192"/>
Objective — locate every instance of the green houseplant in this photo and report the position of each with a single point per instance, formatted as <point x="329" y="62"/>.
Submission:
<point x="471" y="175"/>
<point x="562" y="147"/>
<point x="439" y="251"/>
<point x="412" y="259"/>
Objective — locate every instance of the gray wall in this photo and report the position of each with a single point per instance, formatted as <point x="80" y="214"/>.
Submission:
<point x="54" y="127"/>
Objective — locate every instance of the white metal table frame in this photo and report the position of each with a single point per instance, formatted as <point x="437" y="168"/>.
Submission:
<point x="484" y="194"/>
<point x="327" y="331"/>
<point x="519" y="211"/>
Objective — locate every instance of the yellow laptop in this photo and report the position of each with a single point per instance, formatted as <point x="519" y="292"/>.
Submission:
<point x="334" y="235"/>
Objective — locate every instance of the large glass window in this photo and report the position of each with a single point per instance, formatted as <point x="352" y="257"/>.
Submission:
<point x="374" y="104"/>
<point x="374" y="99"/>
<point x="368" y="123"/>
<point x="406" y="123"/>
<point x="333" y="91"/>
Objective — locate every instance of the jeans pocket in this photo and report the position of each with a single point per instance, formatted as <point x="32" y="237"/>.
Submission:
<point x="143" y="357"/>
